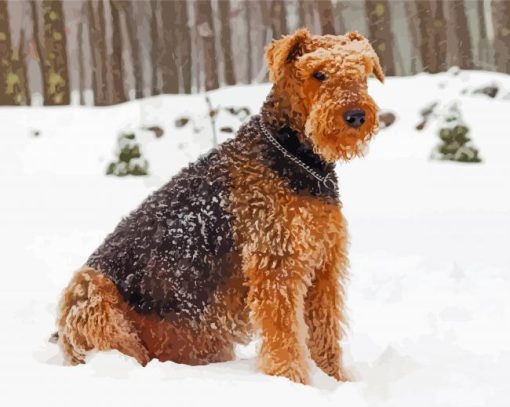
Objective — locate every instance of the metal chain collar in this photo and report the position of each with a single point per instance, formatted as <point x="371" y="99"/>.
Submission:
<point x="326" y="180"/>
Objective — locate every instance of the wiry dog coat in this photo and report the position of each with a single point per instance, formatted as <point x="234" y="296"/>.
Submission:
<point x="248" y="238"/>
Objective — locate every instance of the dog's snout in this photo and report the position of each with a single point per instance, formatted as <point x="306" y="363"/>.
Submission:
<point x="354" y="118"/>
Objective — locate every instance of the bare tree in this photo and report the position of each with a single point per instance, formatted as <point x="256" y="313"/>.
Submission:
<point x="155" y="49"/>
<point x="462" y="36"/>
<point x="54" y="55"/>
<point x="439" y="40"/>
<point x="340" y="7"/>
<point x="167" y="60"/>
<point x="96" y="22"/>
<point x="132" y="34"/>
<point x="501" y="18"/>
<point x="6" y="71"/>
<point x="428" y="36"/>
<point x="24" y="97"/>
<point x="228" y="65"/>
<point x="278" y="18"/>
<point x="265" y="22"/>
<point x="413" y="23"/>
<point x="38" y="45"/>
<point x="483" y="38"/>
<point x="206" y="33"/>
<point x="101" y="46"/>
<point x="249" y="50"/>
<point x="183" y="41"/>
<point x="117" y="94"/>
<point x="381" y="36"/>
<point x="91" y="22"/>
<point x="301" y="13"/>
<point x="326" y="17"/>
<point x="81" y="58"/>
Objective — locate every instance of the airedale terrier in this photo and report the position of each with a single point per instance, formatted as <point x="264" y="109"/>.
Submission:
<point x="250" y="238"/>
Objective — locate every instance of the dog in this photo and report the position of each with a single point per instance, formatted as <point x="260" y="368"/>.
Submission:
<point x="248" y="239"/>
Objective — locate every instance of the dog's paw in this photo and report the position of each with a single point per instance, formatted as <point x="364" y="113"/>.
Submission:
<point x="335" y="371"/>
<point x="341" y="376"/>
<point x="298" y="377"/>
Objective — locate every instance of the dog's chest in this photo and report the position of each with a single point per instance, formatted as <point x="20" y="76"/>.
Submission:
<point x="272" y="220"/>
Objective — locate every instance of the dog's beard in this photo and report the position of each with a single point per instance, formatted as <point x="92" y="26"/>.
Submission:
<point x="340" y="142"/>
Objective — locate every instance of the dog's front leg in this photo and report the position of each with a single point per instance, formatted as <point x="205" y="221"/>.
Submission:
<point x="324" y="304"/>
<point x="277" y="290"/>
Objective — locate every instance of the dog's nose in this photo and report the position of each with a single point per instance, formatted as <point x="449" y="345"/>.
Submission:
<point x="354" y="118"/>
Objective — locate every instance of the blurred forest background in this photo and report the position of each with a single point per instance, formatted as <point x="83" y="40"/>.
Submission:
<point x="104" y="52"/>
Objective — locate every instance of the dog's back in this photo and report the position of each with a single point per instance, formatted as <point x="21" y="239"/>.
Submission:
<point x="170" y="255"/>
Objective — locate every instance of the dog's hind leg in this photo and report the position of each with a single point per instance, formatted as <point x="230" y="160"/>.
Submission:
<point x="91" y="318"/>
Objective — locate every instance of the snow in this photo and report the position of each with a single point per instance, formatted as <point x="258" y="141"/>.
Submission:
<point x="428" y="297"/>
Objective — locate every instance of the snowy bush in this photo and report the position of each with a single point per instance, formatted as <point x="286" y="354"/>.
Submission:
<point x="455" y="144"/>
<point x="129" y="158"/>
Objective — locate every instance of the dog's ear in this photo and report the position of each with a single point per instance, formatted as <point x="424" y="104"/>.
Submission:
<point x="376" y="68"/>
<point x="284" y="51"/>
<point x="373" y="65"/>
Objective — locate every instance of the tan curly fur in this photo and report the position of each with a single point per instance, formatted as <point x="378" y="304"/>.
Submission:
<point x="288" y="270"/>
<point x="92" y="316"/>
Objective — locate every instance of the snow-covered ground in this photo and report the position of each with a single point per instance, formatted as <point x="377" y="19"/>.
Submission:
<point x="429" y="294"/>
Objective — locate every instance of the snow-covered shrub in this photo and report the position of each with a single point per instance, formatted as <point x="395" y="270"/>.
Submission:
<point x="129" y="158"/>
<point x="455" y="144"/>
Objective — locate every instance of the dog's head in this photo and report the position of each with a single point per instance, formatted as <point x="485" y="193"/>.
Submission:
<point x="322" y="81"/>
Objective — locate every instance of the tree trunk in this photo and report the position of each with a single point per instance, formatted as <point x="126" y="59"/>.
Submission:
<point x="81" y="59"/>
<point x="183" y="40"/>
<point x="424" y="10"/>
<point x="438" y="39"/>
<point x="132" y="32"/>
<point x="155" y="48"/>
<point x="483" y="40"/>
<point x="169" y="49"/>
<point x="433" y="35"/>
<point x="501" y="18"/>
<point x="98" y="52"/>
<point x="278" y="19"/>
<point x="7" y="76"/>
<point x="340" y="6"/>
<point x="19" y="66"/>
<point x="301" y="13"/>
<point x="381" y="36"/>
<point x="55" y="54"/>
<point x="306" y="14"/>
<point x="326" y="17"/>
<point x="413" y="23"/>
<point x="102" y="52"/>
<point x="266" y="22"/>
<point x="249" y="50"/>
<point x="226" y="46"/>
<point x="462" y="36"/>
<point x="197" y="65"/>
<point x="38" y="45"/>
<point x="118" y="95"/>
<point x="91" y="22"/>
<point x="206" y="33"/>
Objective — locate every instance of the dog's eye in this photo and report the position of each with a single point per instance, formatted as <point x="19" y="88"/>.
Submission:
<point x="319" y="75"/>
